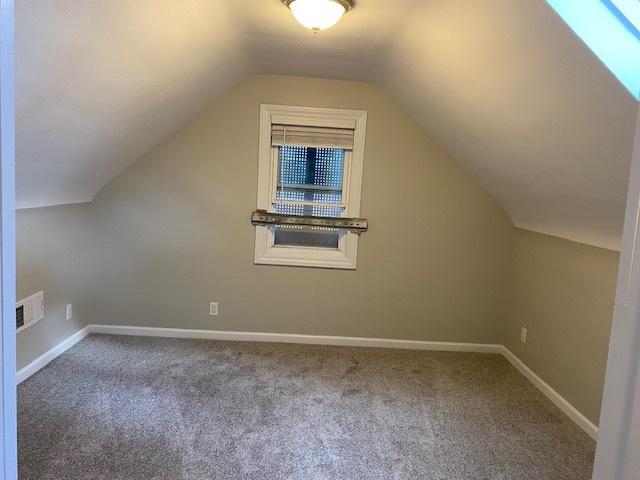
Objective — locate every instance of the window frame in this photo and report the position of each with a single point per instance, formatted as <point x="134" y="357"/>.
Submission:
<point x="266" y="252"/>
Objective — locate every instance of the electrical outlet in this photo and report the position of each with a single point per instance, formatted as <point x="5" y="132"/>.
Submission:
<point x="213" y="308"/>
<point x="69" y="311"/>
<point x="523" y="335"/>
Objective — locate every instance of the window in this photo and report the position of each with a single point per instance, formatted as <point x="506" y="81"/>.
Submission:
<point x="611" y="29"/>
<point x="310" y="164"/>
<point x="630" y="9"/>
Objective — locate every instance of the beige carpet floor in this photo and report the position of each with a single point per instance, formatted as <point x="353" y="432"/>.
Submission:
<point x="126" y="408"/>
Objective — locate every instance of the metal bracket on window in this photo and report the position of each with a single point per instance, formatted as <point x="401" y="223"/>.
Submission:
<point x="354" y="225"/>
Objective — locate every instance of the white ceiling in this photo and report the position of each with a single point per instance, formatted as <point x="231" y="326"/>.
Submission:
<point x="505" y="86"/>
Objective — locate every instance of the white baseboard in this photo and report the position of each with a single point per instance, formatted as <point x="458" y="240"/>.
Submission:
<point x="583" y="422"/>
<point x="295" y="338"/>
<point x="48" y="356"/>
<point x="572" y="412"/>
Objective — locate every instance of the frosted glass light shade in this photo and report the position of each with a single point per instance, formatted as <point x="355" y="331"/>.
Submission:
<point x="318" y="14"/>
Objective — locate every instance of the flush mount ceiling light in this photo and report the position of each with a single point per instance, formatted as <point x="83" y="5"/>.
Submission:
<point x="318" y="14"/>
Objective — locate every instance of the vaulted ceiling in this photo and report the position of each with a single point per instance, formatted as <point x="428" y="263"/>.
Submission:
<point x="506" y="87"/>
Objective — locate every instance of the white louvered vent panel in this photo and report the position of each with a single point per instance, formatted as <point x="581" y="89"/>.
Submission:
<point x="29" y="311"/>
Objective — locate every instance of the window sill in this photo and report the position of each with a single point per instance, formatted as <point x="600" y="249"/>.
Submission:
<point x="268" y="254"/>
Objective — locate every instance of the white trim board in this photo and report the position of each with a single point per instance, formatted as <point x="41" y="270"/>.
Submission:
<point x="295" y="338"/>
<point x="583" y="422"/>
<point x="44" y="359"/>
<point x="558" y="400"/>
<point x="8" y="416"/>
<point x="617" y="452"/>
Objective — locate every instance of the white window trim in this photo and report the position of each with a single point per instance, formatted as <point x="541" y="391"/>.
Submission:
<point x="619" y="435"/>
<point x="346" y="256"/>
<point x="8" y="437"/>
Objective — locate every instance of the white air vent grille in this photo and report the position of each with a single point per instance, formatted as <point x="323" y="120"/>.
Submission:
<point x="29" y="311"/>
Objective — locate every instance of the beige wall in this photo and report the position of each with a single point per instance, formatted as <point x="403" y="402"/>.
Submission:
<point x="52" y="255"/>
<point x="563" y="293"/>
<point x="173" y="232"/>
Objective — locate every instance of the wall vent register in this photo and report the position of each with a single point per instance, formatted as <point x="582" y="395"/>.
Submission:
<point x="310" y="173"/>
<point x="29" y="311"/>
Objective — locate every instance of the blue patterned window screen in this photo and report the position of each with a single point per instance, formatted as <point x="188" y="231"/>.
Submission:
<point x="310" y="175"/>
<point x="310" y="182"/>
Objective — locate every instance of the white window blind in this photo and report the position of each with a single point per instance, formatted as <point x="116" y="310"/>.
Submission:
<point x="306" y="136"/>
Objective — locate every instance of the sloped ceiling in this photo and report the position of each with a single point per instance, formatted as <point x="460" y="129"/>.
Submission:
<point x="505" y="86"/>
